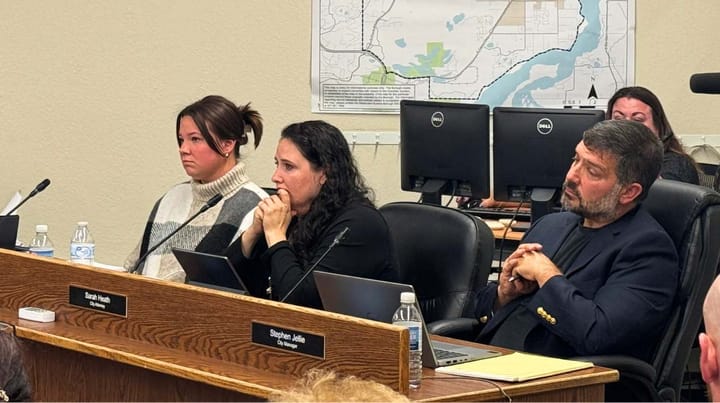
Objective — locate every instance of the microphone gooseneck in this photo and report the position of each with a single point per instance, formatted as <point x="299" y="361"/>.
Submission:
<point x="339" y="237"/>
<point x="210" y="203"/>
<point x="39" y="188"/>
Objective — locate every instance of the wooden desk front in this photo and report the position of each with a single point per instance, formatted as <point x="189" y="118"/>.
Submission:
<point x="184" y="343"/>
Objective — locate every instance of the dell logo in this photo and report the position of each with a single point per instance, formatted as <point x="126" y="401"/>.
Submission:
<point x="437" y="119"/>
<point x="544" y="126"/>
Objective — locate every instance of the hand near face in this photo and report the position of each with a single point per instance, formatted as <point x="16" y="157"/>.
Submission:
<point x="256" y="228"/>
<point x="253" y="232"/>
<point x="276" y="216"/>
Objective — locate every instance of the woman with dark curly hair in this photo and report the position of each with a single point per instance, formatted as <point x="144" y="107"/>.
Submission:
<point x="320" y="192"/>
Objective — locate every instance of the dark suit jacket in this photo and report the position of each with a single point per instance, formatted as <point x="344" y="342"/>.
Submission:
<point x="611" y="300"/>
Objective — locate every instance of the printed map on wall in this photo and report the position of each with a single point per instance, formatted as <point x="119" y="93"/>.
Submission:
<point x="370" y="54"/>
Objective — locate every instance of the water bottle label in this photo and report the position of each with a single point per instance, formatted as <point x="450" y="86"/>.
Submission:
<point x="82" y="251"/>
<point x="415" y="339"/>
<point x="47" y="252"/>
<point x="415" y="330"/>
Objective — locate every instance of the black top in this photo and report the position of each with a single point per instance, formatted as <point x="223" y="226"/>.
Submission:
<point x="365" y="251"/>
<point x="679" y="167"/>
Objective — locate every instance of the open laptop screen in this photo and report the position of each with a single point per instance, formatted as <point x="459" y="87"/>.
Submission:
<point x="8" y="231"/>
<point x="378" y="300"/>
<point x="360" y="297"/>
<point x="207" y="270"/>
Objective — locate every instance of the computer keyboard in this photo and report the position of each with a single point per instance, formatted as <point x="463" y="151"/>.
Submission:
<point x="497" y="213"/>
<point x="441" y="354"/>
<point x="493" y="224"/>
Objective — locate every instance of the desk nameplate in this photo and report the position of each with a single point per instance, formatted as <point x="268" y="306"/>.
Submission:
<point x="98" y="300"/>
<point x="292" y="340"/>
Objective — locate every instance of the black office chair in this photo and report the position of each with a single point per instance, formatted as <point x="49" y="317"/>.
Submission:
<point x="691" y="216"/>
<point x="444" y="253"/>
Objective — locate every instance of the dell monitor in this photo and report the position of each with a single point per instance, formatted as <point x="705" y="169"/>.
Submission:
<point x="445" y="149"/>
<point x="532" y="152"/>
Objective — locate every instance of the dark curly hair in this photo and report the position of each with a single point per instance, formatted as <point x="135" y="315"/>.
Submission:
<point x="13" y="379"/>
<point x="324" y="146"/>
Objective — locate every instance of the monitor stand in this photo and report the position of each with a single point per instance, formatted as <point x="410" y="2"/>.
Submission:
<point x="432" y="191"/>
<point x="542" y="201"/>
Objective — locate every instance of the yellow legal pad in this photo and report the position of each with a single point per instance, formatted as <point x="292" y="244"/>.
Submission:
<point x="515" y="367"/>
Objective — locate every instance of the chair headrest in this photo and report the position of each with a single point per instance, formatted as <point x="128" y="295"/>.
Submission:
<point x="675" y="205"/>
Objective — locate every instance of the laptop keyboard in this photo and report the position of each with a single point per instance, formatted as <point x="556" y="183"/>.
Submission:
<point x="441" y="354"/>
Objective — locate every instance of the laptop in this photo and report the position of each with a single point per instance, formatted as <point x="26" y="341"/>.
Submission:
<point x="8" y="231"/>
<point x="207" y="270"/>
<point x="378" y="300"/>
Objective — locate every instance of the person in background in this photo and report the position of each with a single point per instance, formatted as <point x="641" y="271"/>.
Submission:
<point x="600" y="277"/>
<point x="209" y="134"/>
<point x="709" y="341"/>
<point x="641" y="105"/>
<point x="14" y="385"/>
<point x="320" y="192"/>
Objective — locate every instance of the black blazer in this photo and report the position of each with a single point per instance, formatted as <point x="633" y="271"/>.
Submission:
<point x="611" y="300"/>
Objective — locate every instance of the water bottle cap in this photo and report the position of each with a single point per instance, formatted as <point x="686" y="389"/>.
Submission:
<point x="41" y="228"/>
<point x="83" y="223"/>
<point x="407" y="297"/>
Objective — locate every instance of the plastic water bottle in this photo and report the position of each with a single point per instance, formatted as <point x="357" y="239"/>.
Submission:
<point x="41" y="244"/>
<point x="82" y="245"/>
<point x="408" y="315"/>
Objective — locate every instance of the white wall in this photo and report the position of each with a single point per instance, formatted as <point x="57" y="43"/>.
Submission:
<point x="89" y="92"/>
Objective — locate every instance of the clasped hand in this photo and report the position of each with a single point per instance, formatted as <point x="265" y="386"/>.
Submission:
<point x="524" y="271"/>
<point x="272" y="217"/>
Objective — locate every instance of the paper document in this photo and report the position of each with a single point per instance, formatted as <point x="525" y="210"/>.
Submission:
<point x="14" y="201"/>
<point x="515" y="367"/>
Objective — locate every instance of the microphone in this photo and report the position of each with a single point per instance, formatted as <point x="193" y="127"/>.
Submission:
<point x="39" y="188"/>
<point x="705" y="83"/>
<point x="210" y="203"/>
<point x="335" y="241"/>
